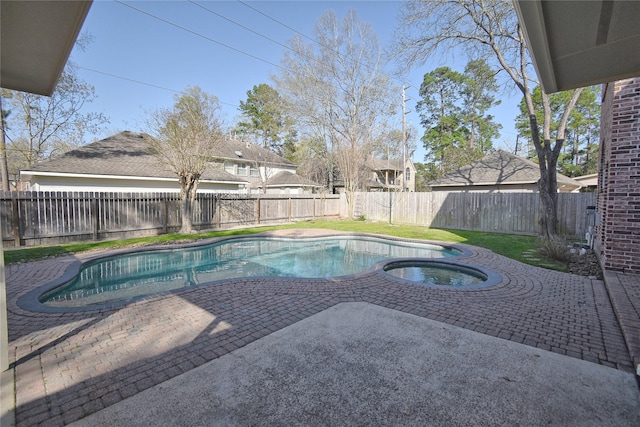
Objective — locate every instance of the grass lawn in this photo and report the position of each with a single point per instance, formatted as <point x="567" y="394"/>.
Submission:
<point x="513" y="246"/>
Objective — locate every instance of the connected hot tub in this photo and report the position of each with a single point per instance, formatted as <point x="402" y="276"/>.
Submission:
<point x="443" y="274"/>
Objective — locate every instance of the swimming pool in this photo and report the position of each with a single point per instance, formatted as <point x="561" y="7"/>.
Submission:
<point x="134" y="275"/>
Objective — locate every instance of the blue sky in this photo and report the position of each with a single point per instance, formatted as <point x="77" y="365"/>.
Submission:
<point x="199" y="47"/>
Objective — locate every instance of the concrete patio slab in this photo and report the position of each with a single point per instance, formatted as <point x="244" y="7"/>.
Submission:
<point x="362" y="364"/>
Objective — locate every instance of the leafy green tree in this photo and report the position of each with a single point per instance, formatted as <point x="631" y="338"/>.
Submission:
<point x="264" y="118"/>
<point x="425" y="173"/>
<point x="453" y="110"/>
<point x="440" y="113"/>
<point x="580" y="151"/>
<point x="185" y="138"/>
<point x="290" y="146"/>
<point x="580" y="154"/>
<point x="478" y="97"/>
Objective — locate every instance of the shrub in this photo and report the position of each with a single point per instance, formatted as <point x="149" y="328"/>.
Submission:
<point x="555" y="249"/>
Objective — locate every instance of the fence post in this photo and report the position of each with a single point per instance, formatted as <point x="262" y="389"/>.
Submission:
<point x="216" y="214"/>
<point x="165" y="214"/>
<point x="15" y="218"/>
<point x="258" y="209"/>
<point x="95" y="216"/>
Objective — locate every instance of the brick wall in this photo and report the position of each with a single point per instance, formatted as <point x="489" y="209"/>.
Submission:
<point x="618" y="239"/>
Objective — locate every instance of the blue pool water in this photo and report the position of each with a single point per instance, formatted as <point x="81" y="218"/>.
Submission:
<point x="124" y="277"/>
<point x="436" y="273"/>
<point x="443" y="274"/>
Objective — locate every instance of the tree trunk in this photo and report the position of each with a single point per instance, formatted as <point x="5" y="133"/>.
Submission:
<point x="548" y="159"/>
<point x="4" y="167"/>
<point x="549" y="198"/>
<point x="350" y="196"/>
<point x="188" y="187"/>
<point x="548" y="183"/>
<point x="186" y="208"/>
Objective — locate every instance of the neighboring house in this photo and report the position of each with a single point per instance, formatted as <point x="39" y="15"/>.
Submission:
<point x="588" y="182"/>
<point x="125" y="163"/>
<point x="386" y="175"/>
<point x="499" y="172"/>
<point x="390" y="175"/>
<point x="260" y="167"/>
<point x="286" y="182"/>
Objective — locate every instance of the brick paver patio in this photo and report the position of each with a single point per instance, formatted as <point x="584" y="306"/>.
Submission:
<point x="69" y="365"/>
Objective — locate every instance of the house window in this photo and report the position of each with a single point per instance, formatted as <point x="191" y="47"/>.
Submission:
<point x="242" y="169"/>
<point x="254" y="171"/>
<point x="229" y="168"/>
<point x="407" y="174"/>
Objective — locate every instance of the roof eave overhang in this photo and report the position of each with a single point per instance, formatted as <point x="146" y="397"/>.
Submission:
<point x="27" y="173"/>
<point x="36" y="39"/>
<point x="485" y="184"/>
<point x="293" y="186"/>
<point x="581" y="43"/>
<point x="531" y="18"/>
<point x="255" y="162"/>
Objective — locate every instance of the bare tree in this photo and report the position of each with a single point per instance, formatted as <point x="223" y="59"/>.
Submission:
<point x="490" y="29"/>
<point x="38" y="127"/>
<point x="184" y="139"/>
<point x="337" y="92"/>
<point x="265" y="172"/>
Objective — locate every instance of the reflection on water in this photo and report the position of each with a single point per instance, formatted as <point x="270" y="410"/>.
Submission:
<point x="439" y="274"/>
<point x="124" y="277"/>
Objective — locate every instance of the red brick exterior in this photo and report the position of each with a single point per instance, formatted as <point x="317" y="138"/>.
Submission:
<point x="618" y="230"/>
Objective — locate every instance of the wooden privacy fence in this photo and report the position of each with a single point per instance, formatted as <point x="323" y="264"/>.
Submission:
<point x="34" y="218"/>
<point x="513" y="213"/>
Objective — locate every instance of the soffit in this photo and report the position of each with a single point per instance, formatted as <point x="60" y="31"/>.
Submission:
<point x="36" y="38"/>
<point x="581" y="43"/>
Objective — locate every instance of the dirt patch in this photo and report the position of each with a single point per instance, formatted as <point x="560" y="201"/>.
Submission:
<point x="585" y="264"/>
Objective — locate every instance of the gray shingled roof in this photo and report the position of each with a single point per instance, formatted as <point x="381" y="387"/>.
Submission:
<point x="241" y="150"/>
<point x="285" y="178"/>
<point x="499" y="167"/>
<point x="124" y="154"/>
<point x="376" y="164"/>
